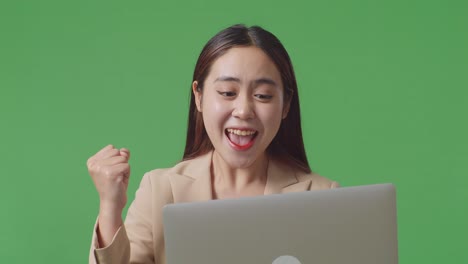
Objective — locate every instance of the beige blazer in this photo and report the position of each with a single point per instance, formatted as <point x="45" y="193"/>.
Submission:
<point x="141" y="240"/>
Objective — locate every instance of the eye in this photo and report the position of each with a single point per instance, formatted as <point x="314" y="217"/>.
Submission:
<point x="227" y="94"/>
<point x="263" y="96"/>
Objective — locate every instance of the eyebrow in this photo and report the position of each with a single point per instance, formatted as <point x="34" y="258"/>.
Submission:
<point x="227" y="79"/>
<point x="265" y="81"/>
<point x="237" y="80"/>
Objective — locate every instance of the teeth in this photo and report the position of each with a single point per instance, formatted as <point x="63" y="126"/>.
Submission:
<point x="241" y="132"/>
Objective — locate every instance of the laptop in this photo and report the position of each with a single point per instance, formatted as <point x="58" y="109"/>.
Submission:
<point x="347" y="225"/>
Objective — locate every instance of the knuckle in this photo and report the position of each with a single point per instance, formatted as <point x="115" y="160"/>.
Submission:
<point x="107" y="173"/>
<point x="90" y="162"/>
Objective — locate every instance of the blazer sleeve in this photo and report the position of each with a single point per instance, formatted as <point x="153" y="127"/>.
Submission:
<point x="133" y="242"/>
<point x="117" y="252"/>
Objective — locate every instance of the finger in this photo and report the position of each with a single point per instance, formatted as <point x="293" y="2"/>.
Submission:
<point x="104" y="149"/>
<point x="109" y="154"/>
<point x="103" y="153"/>
<point x="123" y="169"/>
<point x="98" y="155"/>
<point x="126" y="173"/>
<point x="125" y="152"/>
<point x="113" y="160"/>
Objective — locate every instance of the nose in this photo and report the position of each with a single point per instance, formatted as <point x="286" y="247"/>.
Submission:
<point x="243" y="108"/>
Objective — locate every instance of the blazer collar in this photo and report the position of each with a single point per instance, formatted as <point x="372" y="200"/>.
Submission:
<point x="194" y="182"/>
<point x="281" y="178"/>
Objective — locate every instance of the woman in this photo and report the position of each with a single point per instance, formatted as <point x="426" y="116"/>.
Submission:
<point x="244" y="138"/>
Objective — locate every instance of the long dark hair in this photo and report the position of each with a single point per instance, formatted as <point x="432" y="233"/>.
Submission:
<point x="287" y="145"/>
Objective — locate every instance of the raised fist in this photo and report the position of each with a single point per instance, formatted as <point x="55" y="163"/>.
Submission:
<point x="110" y="172"/>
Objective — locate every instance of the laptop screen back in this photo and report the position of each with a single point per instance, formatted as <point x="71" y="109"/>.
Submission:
<point x="344" y="225"/>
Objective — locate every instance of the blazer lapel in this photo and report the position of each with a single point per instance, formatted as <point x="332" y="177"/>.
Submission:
<point x="194" y="182"/>
<point x="282" y="179"/>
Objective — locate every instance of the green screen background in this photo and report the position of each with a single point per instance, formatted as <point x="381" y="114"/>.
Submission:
<point x="383" y="89"/>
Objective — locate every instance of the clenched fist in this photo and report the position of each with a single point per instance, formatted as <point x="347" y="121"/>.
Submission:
<point x="110" y="172"/>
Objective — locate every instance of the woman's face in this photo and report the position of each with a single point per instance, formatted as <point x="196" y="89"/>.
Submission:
<point x="242" y="105"/>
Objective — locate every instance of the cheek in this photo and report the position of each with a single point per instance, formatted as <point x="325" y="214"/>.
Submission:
<point x="218" y="107"/>
<point x="209" y="102"/>
<point x="271" y="115"/>
<point x="214" y="113"/>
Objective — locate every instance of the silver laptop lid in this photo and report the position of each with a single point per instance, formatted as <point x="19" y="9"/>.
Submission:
<point x="345" y="225"/>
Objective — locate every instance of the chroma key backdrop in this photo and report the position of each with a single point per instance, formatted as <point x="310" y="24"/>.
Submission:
<point x="383" y="87"/>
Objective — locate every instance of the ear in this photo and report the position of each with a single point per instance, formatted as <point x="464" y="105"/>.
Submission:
<point x="198" y="95"/>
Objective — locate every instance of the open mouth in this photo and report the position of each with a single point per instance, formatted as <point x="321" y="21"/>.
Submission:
<point x="241" y="139"/>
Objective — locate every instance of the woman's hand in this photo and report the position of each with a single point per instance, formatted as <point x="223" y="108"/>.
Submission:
<point x="110" y="172"/>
